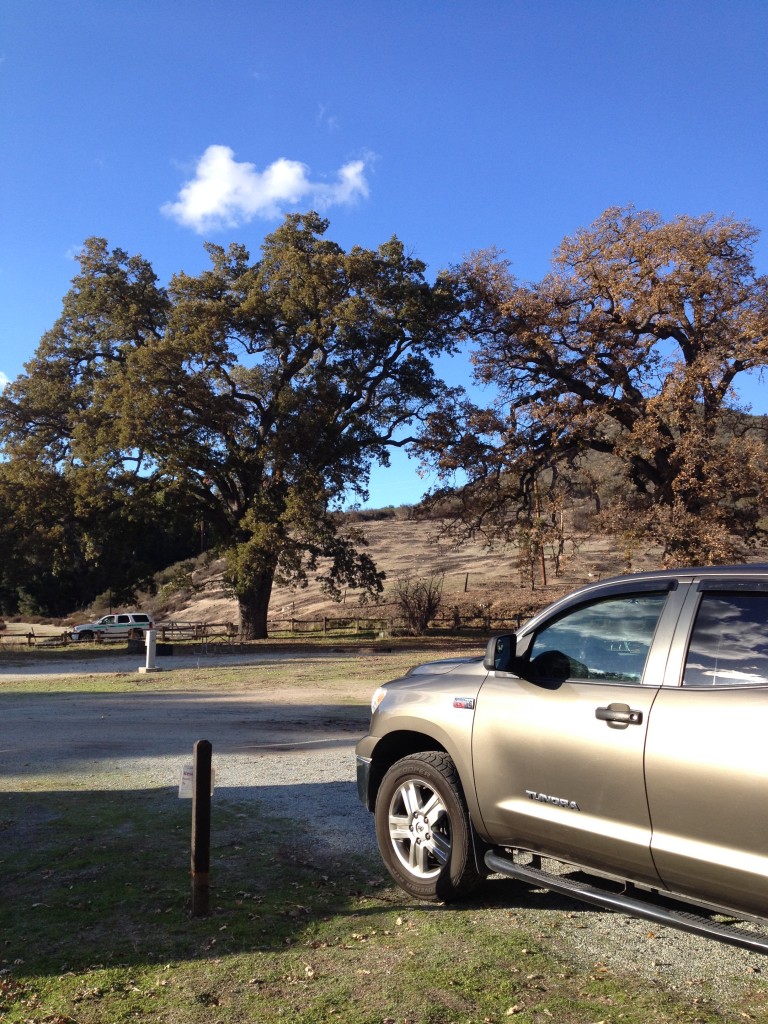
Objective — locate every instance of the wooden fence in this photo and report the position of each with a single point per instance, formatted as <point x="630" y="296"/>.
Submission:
<point x="327" y="624"/>
<point x="40" y="636"/>
<point x="227" y="632"/>
<point x="389" y="625"/>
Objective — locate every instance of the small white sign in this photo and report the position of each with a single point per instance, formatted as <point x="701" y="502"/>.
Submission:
<point x="187" y="781"/>
<point x="186" y="785"/>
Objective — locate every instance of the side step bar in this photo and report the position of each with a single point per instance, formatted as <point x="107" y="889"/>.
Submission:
<point x="755" y="941"/>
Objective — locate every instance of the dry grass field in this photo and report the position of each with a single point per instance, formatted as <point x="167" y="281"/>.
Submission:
<point x="473" y="575"/>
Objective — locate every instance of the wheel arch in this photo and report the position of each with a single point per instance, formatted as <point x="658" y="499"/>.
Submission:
<point x="392" y="748"/>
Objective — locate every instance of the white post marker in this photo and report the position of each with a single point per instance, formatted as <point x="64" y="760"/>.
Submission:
<point x="150" y="639"/>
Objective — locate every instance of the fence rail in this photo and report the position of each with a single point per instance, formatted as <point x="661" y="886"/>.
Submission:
<point x="177" y="629"/>
<point x="41" y="637"/>
<point x="228" y="632"/>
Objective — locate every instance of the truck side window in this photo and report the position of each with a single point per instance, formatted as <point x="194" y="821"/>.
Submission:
<point x="606" y="640"/>
<point x="729" y="644"/>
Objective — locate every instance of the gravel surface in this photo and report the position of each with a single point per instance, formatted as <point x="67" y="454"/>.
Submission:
<point x="297" y="760"/>
<point x="19" y="668"/>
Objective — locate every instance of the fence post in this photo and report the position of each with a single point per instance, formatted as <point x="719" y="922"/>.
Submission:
<point x="201" y="828"/>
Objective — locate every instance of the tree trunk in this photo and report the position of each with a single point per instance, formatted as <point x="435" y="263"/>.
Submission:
<point x="254" y="607"/>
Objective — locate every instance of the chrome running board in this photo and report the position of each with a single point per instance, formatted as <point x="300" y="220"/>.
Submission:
<point x="681" y="919"/>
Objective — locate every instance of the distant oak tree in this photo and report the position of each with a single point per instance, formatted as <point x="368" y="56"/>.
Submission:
<point x="629" y="351"/>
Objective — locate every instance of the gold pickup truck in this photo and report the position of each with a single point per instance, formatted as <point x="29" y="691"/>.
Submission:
<point x="615" y="749"/>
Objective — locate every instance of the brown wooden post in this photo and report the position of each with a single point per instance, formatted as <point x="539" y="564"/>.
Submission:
<point x="201" y="828"/>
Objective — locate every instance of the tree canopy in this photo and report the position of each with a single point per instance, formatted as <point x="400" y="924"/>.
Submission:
<point x="259" y="393"/>
<point x="629" y="348"/>
<point x="254" y="397"/>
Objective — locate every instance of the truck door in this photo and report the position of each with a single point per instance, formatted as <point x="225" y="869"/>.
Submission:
<point x="707" y="761"/>
<point x="558" y="746"/>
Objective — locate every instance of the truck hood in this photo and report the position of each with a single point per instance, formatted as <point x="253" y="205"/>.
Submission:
<point x="439" y="668"/>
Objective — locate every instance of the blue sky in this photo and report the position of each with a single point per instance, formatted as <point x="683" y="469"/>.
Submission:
<point x="159" y="124"/>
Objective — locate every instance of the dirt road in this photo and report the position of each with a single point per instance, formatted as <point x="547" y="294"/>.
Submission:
<point x="41" y="667"/>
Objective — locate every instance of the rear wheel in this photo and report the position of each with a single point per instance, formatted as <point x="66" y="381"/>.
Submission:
<point x="423" y="828"/>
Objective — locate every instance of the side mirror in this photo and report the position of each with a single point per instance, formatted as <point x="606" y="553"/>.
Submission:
<point x="500" y="653"/>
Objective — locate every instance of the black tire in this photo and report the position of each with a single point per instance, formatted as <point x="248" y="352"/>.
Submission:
<point x="423" y="828"/>
<point x="87" y="635"/>
<point x="135" y="634"/>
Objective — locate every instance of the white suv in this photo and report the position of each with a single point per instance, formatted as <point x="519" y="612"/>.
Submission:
<point x="132" y="625"/>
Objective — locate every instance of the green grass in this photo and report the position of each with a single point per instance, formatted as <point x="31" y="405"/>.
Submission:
<point x="95" y="926"/>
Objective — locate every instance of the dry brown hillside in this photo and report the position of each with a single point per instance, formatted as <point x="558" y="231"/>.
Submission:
<point x="474" y="577"/>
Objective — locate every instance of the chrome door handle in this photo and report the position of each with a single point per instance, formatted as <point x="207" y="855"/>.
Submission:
<point x="619" y="716"/>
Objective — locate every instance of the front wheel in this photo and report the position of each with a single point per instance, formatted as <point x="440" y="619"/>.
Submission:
<point x="423" y="828"/>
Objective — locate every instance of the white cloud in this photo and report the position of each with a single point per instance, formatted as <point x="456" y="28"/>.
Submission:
<point x="4" y="380"/>
<point x="227" y="193"/>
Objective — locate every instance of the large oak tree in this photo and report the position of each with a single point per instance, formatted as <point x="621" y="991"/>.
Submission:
<point x="628" y="351"/>
<point x="261" y="391"/>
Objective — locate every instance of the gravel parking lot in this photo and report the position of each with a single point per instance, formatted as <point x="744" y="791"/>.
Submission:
<point x="297" y="758"/>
